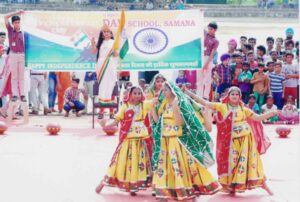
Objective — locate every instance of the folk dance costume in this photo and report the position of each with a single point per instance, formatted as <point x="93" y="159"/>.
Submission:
<point x="240" y="142"/>
<point x="130" y="168"/>
<point x="181" y="154"/>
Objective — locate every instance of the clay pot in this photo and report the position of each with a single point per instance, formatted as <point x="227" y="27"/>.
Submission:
<point x="3" y="127"/>
<point x="53" y="128"/>
<point x="110" y="130"/>
<point x="283" y="132"/>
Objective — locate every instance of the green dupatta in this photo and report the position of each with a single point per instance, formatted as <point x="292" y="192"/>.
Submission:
<point x="195" y="138"/>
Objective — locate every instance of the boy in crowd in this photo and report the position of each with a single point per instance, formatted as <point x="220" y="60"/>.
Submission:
<point x="289" y="46"/>
<point x="72" y="98"/>
<point x="270" y="44"/>
<point x="260" y="84"/>
<point x="276" y="86"/>
<point x="261" y="53"/>
<point x="224" y="74"/>
<point x="232" y="45"/>
<point x="270" y="68"/>
<point x="252" y="104"/>
<point x="291" y="72"/>
<point x="269" y="106"/>
<point x="279" y="46"/>
<point x="16" y="55"/>
<point x="243" y="41"/>
<point x="244" y="82"/>
<point x="204" y="75"/>
<point x="252" y="43"/>
<point x="274" y="56"/>
<point x="251" y="59"/>
<point x="246" y="50"/>
<point x="283" y="57"/>
<point x="236" y="69"/>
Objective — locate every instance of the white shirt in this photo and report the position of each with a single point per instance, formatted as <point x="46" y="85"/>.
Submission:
<point x="289" y="69"/>
<point x="266" y="109"/>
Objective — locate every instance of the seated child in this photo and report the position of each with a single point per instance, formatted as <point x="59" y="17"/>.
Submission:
<point x="252" y="104"/>
<point x="181" y="78"/>
<point x="72" y="98"/>
<point x="289" y="111"/>
<point x="269" y="106"/>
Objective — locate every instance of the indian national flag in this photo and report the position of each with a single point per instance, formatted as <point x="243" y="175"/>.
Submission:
<point x="120" y="44"/>
<point x="121" y="37"/>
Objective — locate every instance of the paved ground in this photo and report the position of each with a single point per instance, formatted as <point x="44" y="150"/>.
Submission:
<point x="36" y="167"/>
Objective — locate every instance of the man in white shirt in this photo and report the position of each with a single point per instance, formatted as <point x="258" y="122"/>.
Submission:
<point x="291" y="72"/>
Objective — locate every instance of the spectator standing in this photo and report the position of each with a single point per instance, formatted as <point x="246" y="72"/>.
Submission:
<point x="224" y="74"/>
<point x="276" y="87"/>
<point x="244" y="82"/>
<point x="38" y="84"/>
<point x="260" y="85"/>
<point x="291" y="72"/>
<point x="210" y="47"/>
<point x="17" y="56"/>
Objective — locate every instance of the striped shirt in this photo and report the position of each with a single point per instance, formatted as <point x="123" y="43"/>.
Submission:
<point x="276" y="82"/>
<point x="73" y="94"/>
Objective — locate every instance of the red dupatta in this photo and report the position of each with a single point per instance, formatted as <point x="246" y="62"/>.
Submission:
<point x="126" y="123"/>
<point x="224" y="132"/>
<point x="224" y="126"/>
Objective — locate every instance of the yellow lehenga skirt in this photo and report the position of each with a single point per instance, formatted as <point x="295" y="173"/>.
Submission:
<point x="130" y="171"/>
<point x="245" y="165"/>
<point x="178" y="176"/>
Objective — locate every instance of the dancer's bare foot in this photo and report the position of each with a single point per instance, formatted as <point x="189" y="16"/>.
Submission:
<point x="268" y="190"/>
<point x="99" y="187"/>
<point x="133" y="194"/>
<point x="232" y="192"/>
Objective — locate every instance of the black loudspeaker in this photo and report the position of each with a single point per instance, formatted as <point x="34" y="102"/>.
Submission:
<point x="96" y="88"/>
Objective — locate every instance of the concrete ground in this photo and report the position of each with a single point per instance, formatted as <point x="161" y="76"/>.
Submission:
<point x="36" y="167"/>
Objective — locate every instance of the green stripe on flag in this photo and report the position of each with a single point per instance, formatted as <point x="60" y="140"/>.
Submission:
<point x="124" y="49"/>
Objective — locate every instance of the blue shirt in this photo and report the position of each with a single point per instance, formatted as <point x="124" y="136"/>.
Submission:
<point x="93" y="77"/>
<point x="276" y="82"/>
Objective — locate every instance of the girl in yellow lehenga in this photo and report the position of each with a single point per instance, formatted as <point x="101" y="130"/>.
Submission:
<point x="181" y="150"/>
<point x="130" y="167"/>
<point x="240" y="142"/>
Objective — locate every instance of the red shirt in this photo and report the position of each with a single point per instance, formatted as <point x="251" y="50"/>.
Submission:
<point x="16" y="40"/>
<point x="210" y="44"/>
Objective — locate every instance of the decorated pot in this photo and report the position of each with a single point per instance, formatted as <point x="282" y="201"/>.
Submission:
<point x="110" y="130"/>
<point x="53" y="128"/>
<point x="283" y="132"/>
<point x="3" y="127"/>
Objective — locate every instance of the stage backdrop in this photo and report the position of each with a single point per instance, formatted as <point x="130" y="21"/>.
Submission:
<point x="60" y="41"/>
